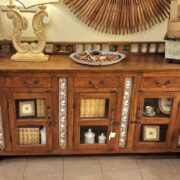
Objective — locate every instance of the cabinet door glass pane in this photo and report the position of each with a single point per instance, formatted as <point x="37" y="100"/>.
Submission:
<point x="32" y="135"/>
<point x="93" y="134"/>
<point x="157" y="107"/>
<point x="153" y="133"/>
<point x="94" y="108"/>
<point x="30" y="108"/>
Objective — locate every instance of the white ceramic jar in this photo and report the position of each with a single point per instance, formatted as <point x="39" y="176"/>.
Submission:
<point x="89" y="137"/>
<point x="43" y="135"/>
<point x="102" y="138"/>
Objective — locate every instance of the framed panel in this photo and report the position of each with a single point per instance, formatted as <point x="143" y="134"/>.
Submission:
<point x="26" y="108"/>
<point x="31" y="121"/>
<point x="155" y="119"/>
<point x="151" y="133"/>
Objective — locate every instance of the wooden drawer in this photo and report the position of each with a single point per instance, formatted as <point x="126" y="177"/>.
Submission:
<point x="26" y="82"/>
<point x="96" y="83"/>
<point x="156" y="82"/>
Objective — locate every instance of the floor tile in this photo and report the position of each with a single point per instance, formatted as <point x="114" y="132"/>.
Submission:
<point x="12" y="168"/>
<point x="116" y="168"/>
<point x="44" y="168"/>
<point x="82" y="168"/>
<point x="176" y="162"/>
<point x="157" y="169"/>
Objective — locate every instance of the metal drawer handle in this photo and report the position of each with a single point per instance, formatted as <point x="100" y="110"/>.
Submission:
<point x="99" y="85"/>
<point x="166" y="83"/>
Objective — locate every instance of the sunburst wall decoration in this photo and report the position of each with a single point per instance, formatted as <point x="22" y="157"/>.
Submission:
<point x="120" y="16"/>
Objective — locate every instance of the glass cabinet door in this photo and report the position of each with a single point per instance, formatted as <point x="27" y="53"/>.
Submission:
<point x="155" y="119"/>
<point x="95" y="120"/>
<point x="31" y="121"/>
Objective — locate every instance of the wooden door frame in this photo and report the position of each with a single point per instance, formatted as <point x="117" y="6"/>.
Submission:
<point x="112" y="106"/>
<point x="13" y="124"/>
<point x="171" y="123"/>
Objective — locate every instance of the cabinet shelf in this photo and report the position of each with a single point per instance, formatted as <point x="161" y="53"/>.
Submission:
<point x="31" y="123"/>
<point x="155" y="121"/>
<point x="94" y="123"/>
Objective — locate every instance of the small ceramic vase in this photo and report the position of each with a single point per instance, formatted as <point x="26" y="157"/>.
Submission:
<point x="102" y="138"/>
<point x="43" y="136"/>
<point x="89" y="137"/>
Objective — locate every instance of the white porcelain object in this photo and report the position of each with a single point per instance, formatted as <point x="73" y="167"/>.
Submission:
<point x="102" y="138"/>
<point x="43" y="135"/>
<point x="149" y="110"/>
<point x="165" y="105"/>
<point x="89" y="137"/>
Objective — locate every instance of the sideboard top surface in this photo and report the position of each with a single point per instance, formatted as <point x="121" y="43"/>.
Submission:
<point x="135" y="63"/>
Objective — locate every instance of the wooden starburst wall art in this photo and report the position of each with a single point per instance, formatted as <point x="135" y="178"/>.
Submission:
<point x="120" y="16"/>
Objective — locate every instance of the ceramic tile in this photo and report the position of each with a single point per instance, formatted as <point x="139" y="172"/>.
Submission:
<point x="115" y="168"/>
<point x="157" y="169"/>
<point x="44" y="168"/>
<point x="12" y="168"/>
<point x="111" y="167"/>
<point x="176" y="162"/>
<point x="82" y="168"/>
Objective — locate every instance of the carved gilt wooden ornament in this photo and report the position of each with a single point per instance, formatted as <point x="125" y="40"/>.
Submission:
<point x="26" y="51"/>
<point x="120" y="16"/>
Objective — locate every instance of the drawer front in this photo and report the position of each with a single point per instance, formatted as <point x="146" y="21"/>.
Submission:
<point x="160" y="82"/>
<point x="26" y="82"/>
<point x="96" y="83"/>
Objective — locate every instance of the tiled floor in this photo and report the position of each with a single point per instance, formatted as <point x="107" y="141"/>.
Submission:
<point x="91" y="168"/>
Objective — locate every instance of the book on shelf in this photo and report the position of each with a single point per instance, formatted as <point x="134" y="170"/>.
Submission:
<point x="96" y="106"/>
<point x="86" y="107"/>
<point x="29" y="136"/>
<point x="92" y="108"/>
<point x="102" y="108"/>
<point x="82" y="108"/>
<point x="40" y="105"/>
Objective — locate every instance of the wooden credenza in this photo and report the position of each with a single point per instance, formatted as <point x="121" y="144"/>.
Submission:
<point x="46" y="108"/>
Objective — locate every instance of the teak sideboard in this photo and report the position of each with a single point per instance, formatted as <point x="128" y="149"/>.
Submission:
<point x="46" y="108"/>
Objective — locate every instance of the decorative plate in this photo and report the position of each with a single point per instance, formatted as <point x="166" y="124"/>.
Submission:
<point x="102" y="62"/>
<point x="165" y="105"/>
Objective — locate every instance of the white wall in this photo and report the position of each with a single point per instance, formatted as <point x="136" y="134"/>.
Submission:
<point x="64" y="27"/>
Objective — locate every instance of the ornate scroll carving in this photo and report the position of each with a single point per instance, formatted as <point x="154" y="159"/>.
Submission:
<point x="18" y="31"/>
<point x="125" y="112"/>
<point x="2" y="145"/>
<point x="26" y="51"/>
<point x="39" y="31"/>
<point x="120" y="16"/>
<point x="62" y="113"/>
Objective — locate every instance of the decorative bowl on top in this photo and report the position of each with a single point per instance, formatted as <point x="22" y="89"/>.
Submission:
<point x="97" y="58"/>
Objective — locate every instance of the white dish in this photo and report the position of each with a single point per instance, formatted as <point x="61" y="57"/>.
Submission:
<point x="165" y="105"/>
<point x="150" y="115"/>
